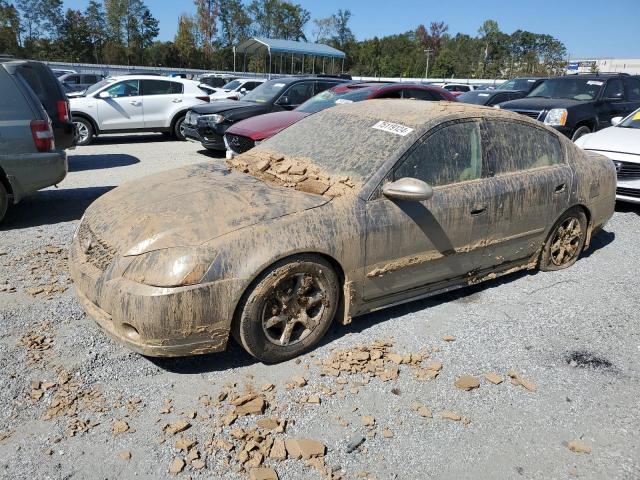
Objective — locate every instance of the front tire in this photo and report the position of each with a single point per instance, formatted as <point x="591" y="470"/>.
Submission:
<point x="4" y="202"/>
<point x="580" y="132"/>
<point x="178" y="133"/>
<point x="288" y="309"/>
<point x="565" y="242"/>
<point x="84" y="131"/>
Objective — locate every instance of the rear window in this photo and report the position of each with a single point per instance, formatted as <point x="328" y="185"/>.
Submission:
<point x="44" y="84"/>
<point x="13" y="105"/>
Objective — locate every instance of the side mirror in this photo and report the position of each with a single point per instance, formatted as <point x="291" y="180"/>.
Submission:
<point x="614" y="98"/>
<point x="104" y="94"/>
<point x="284" y="102"/>
<point x="615" y="121"/>
<point x="410" y="189"/>
<point x="243" y="90"/>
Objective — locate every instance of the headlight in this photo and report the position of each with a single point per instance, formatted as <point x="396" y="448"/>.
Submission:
<point x="497" y="106"/>
<point x="171" y="267"/>
<point x="556" y="117"/>
<point x="214" y="119"/>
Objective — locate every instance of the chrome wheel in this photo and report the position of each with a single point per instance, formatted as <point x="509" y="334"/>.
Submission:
<point x="83" y="131"/>
<point x="566" y="241"/>
<point x="293" y="309"/>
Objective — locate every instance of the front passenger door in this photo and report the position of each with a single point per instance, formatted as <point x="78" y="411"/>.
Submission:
<point x="123" y="109"/>
<point x="411" y="244"/>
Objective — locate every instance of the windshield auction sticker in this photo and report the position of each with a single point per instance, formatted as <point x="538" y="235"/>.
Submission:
<point x="393" y="128"/>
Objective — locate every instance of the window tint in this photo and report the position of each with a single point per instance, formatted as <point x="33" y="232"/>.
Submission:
<point x="13" y="105"/>
<point x="449" y="155"/>
<point x="418" y="94"/>
<point x="501" y="97"/>
<point x="160" y="87"/>
<point x="299" y="93"/>
<point x="633" y="89"/>
<point x="513" y="147"/>
<point x="128" y="88"/>
<point x="614" y="89"/>
<point x="72" y="79"/>
<point x="322" y="86"/>
<point x="391" y="94"/>
<point x="90" y="79"/>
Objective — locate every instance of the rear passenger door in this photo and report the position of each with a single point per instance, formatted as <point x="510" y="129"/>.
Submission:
<point x="161" y="99"/>
<point x="530" y="183"/>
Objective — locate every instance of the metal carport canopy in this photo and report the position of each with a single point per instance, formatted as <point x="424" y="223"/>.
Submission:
<point x="274" y="45"/>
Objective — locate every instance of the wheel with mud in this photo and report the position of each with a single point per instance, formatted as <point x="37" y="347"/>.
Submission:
<point x="580" y="132"/>
<point x="4" y="201"/>
<point x="288" y="309"/>
<point x="565" y="241"/>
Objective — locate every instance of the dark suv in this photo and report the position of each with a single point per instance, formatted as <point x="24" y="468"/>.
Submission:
<point x="579" y="104"/>
<point x="207" y="124"/>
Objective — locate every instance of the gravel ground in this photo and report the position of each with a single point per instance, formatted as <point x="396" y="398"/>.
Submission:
<point x="574" y="334"/>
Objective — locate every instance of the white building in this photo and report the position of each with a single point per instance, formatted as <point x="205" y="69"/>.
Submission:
<point x="585" y="65"/>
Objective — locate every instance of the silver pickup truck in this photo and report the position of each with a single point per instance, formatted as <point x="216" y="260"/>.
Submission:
<point x="29" y="157"/>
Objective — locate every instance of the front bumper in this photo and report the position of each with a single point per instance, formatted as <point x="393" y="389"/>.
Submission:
<point x="30" y="172"/>
<point x="155" y="321"/>
<point x="211" y="140"/>
<point x="628" y="191"/>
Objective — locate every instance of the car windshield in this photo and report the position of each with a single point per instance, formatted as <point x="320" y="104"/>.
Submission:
<point x="517" y="84"/>
<point x="632" y="121"/>
<point x="582" y="89"/>
<point x="478" y="97"/>
<point x="328" y="99"/>
<point x="97" y="86"/>
<point x="266" y="92"/>
<point x="232" y="85"/>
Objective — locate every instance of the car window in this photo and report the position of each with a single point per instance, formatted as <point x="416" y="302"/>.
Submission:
<point x="633" y="89"/>
<point x="391" y="94"/>
<point x="90" y="79"/>
<point x="72" y="79"/>
<point x="449" y="155"/>
<point x="321" y="86"/>
<point x="417" y="94"/>
<point x="501" y="97"/>
<point x="614" y="89"/>
<point x="250" y="85"/>
<point x="514" y="147"/>
<point x="128" y="88"/>
<point x="160" y="87"/>
<point x="13" y="105"/>
<point x="299" y="93"/>
<point x="265" y="92"/>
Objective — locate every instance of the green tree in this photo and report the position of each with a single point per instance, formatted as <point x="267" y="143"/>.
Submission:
<point x="185" y="40"/>
<point x="278" y="19"/>
<point x="75" y="37"/>
<point x="207" y="12"/>
<point x="235" y="22"/>
<point x="97" y="28"/>
<point x="9" y="28"/>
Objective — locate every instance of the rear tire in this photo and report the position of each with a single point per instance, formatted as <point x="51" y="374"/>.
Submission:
<point x="580" y="132"/>
<point x="288" y="309"/>
<point x="565" y="242"/>
<point x="4" y="202"/>
<point x="84" y="131"/>
<point x="177" y="128"/>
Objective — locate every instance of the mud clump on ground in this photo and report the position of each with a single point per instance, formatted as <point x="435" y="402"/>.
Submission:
<point x="298" y="173"/>
<point x="585" y="359"/>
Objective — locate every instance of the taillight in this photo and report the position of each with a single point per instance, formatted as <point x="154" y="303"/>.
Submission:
<point x="63" y="110"/>
<point x="204" y="99"/>
<point x="42" y="135"/>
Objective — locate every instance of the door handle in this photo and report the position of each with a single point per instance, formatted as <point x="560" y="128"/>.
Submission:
<point x="176" y="100"/>
<point x="478" y="210"/>
<point x="560" y="188"/>
<point x="134" y="102"/>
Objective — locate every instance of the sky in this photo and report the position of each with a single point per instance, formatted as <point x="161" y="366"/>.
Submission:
<point x="588" y="28"/>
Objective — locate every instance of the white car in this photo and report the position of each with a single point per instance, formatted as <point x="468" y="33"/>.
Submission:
<point x="236" y="88"/>
<point x="621" y="143"/>
<point x="136" y="103"/>
<point x="458" y="88"/>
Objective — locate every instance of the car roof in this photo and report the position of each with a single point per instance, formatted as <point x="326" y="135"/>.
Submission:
<point x="416" y="114"/>
<point x="151" y="77"/>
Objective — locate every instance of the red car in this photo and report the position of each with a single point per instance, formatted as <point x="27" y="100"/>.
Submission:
<point x="246" y="134"/>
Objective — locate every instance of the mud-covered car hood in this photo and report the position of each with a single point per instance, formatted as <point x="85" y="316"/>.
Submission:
<point x="188" y="206"/>
<point x="267" y="125"/>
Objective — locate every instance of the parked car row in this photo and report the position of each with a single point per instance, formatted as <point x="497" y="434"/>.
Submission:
<point x="35" y="129"/>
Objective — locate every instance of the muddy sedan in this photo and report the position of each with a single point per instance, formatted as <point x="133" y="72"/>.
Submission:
<point x="350" y="210"/>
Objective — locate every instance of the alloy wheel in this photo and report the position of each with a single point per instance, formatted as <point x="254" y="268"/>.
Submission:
<point x="566" y="241"/>
<point x="293" y="309"/>
<point x="83" y="131"/>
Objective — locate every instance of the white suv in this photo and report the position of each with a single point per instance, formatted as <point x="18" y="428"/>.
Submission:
<point x="136" y="103"/>
<point x="235" y="89"/>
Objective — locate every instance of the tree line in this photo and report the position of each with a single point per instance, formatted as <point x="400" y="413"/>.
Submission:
<point x="125" y="32"/>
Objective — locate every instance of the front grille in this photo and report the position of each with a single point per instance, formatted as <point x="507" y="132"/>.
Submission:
<point x="628" y="192"/>
<point x="96" y="251"/>
<point x="627" y="170"/>
<point x="535" y="114"/>
<point x="238" y="143"/>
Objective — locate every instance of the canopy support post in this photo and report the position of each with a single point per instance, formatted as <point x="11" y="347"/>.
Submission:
<point x="234" y="59"/>
<point x="292" y="64"/>
<point x="302" y="71"/>
<point x="323" y="59"/>
<point x="269" y="64"/>
<point x="342" y="71"/>
<point x="332" y="69"/>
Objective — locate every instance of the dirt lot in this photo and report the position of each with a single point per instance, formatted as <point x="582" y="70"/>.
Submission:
<point x="74" y="404"/>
